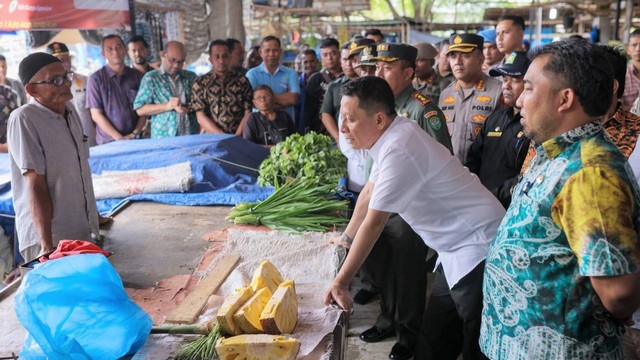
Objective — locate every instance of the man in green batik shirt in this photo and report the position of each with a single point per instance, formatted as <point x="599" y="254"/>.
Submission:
<point x="165" y="95"/>
<point x="396" y="64"/>
<point x="562" y="275"/>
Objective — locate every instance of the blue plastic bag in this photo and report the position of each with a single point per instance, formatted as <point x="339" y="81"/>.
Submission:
<point x="76" y="308"/>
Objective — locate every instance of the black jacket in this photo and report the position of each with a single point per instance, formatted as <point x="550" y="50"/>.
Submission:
<point x="498" y="152"/>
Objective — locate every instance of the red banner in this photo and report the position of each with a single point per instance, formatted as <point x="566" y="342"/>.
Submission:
<point x="63" y="14"/>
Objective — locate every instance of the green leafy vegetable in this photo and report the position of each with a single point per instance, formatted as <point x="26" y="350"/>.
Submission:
<point x="298" y="205"/>
<point x="203" y="348"/>
<point x="312" y="156"/>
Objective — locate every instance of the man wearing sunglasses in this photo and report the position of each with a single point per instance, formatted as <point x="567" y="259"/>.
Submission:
<point x="50" y="177"/>
<point x="165" y="95"/>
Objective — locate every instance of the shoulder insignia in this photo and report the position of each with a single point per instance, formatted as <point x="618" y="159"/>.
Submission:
<point x="435" y="123"/>
<point x="430" y="114"/>
<point x="423" y="100"/>
<point x="483" y="98"/>
<point x="478" y="118"/>
<point x="449" y="100"/>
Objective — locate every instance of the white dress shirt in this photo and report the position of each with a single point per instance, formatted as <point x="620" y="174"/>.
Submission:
<point x="417" y="177"/>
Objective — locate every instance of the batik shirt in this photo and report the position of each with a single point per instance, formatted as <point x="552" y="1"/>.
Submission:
<point x="623" y="129"/>
<point x="574" y="215"/>
<point x="157" y="87"/>
<point x="225" y="101"/>
<point x="8" y="103"/>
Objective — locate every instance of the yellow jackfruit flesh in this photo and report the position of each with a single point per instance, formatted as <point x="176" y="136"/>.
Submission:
<point x="281" y="312"/>
<point x="257" y="347"/>
<point x="266" y="275"/>
<point x="248" y="315"/>
<point x="229" y="308"/>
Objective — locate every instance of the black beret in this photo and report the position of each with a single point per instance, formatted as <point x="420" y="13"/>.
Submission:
<point x="31" y="64"/>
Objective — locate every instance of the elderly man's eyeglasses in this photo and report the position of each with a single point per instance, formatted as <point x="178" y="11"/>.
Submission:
<point x="58" y="80"/>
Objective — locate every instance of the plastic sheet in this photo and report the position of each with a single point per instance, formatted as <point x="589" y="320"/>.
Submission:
<point x="76" y="308"/>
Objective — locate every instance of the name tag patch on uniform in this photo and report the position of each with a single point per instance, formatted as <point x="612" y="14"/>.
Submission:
<point x="494" y="133"/>
<point x="449" y="100"/>
<point x="482" y="108"/>
<point x="430" y="114"/>
<point x="435" y="123"/>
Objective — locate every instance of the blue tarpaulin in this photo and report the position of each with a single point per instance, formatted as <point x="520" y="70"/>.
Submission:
<point x="222" y="166"/>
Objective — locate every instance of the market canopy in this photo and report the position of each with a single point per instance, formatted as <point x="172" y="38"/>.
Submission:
<point x="64" y="14"/>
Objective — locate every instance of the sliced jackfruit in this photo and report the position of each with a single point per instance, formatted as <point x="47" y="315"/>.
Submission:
<point x="258" y="347"/>
<point x="248" y="315"/>
<point x="281" y="312"/>
<point x="266" y="275"/>
<point x="228" y="309"/>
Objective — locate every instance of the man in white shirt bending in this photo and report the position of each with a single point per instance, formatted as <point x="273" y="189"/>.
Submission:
<point x="418" y="178"/>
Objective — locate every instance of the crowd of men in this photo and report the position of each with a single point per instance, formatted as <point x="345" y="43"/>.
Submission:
<point x="519" y="171"/>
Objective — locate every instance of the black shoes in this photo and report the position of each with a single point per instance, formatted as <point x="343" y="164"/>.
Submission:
<point x="375" y="334"/>
<point x="363" y="296"/>
<point x="400" y="352"/>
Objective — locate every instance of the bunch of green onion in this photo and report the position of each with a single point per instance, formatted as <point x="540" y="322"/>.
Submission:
<point x="296" y="206"/>
<point x="203" y="348"/>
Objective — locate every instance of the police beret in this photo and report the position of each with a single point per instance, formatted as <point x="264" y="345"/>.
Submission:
<point x="367" y="56"/>
<point x="358" y="45"/>
<point x="465" y="43"/>
<point x="515" y="65"/>
<point x="394" y="52"/>
<point x="57" y="48"/>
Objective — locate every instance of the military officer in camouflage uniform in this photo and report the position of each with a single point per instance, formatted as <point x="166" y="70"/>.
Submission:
<point x="469" y="100"/>
<point x="396" y="64"/>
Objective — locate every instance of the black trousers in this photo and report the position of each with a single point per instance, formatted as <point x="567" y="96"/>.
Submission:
<point x="397" y="268"/>
<point x="451" y="323"/>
